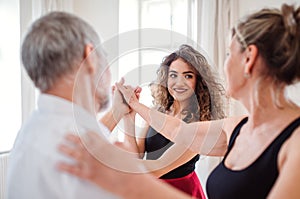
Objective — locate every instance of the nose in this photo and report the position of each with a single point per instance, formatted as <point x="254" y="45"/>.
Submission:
<point x="180" y="80"/>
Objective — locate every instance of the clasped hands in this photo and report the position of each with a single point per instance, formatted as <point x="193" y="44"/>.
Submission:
<point x="123" y="98"/>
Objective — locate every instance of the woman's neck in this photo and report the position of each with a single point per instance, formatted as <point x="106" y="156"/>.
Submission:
<point x="270" y="104"/>
<point x="177" y="108"/>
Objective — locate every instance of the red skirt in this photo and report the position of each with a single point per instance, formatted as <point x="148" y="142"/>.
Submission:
<point x="190" y="184"/>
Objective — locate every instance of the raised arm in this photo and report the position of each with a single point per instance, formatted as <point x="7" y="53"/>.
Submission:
<point x="110" y="119"/>
<point x="207" y="138"/>
<point x="118" y="109"/>
<point x="140" y="139"/>
<point x="130" y="142"/>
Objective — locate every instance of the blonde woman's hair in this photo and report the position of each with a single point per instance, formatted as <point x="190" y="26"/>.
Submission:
<point x="276" y="34"/>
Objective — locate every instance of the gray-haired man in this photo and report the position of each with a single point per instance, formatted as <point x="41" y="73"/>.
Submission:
<point x="60" y="56"/>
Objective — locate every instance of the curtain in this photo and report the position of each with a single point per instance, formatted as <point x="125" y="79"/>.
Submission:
<point x="3" y="174"/>
<point x="214" y="20"/>
<point x="30" y="10"/>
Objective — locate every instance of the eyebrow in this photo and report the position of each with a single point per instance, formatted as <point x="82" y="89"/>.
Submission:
<point x="186" y="72"/>
<point x="173" y="71"/>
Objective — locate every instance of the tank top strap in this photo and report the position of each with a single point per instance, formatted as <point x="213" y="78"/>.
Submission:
<point x="288" y="131"/>
<point x="234" y="134"/>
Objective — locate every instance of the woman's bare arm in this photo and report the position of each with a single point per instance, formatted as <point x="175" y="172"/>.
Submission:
<point x="125" y="184"/>
<point x="140" y="139"/>
<point x="116" y="112"/>
<point x="207" y="137"/>
<point x="119" y="108"/>
<point x="174" y="157"/>
<point x="130" y="143"/>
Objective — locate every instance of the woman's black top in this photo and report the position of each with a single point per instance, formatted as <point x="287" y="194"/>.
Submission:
<point x="257" y="179"/>
<point x="156" y="145"/>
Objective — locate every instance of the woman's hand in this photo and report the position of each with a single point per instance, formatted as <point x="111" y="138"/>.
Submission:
<point x="130" y="94"/>
<point x="120" y="106"/>
<point x="86" y="163"/>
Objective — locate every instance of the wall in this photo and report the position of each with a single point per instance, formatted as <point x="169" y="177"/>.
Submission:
<point x="3" y="174"/>
<point x="252" y="5"/>
<point x="101" y="14"/>
<point x="104" y="17"/>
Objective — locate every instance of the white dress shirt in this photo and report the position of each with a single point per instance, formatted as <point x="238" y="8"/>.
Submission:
<point x="32" y="172"/>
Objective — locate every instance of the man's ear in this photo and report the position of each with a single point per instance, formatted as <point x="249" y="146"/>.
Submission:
<point x="251" y="56"/>
<point x="89" y="57"/>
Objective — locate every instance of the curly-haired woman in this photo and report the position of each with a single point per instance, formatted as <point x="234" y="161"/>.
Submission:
<point x="182" y="90"/>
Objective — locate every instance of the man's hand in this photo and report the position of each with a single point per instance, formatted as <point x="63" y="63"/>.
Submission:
<point x="119" y="105"/>
<point x="119" y="108"/>
<point x="129" y="93"/>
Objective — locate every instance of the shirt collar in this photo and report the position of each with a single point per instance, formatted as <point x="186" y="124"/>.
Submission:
<point x="84" y="121"/>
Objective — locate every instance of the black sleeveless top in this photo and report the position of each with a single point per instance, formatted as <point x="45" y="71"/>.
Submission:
<point x="257" y="179"/>
<point x="156" y="145"/>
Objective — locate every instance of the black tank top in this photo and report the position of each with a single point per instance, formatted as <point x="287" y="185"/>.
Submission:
<point x="156" y="145"/>
<point x="257" y="179"/>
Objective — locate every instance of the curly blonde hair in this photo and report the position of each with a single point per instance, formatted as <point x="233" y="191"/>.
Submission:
<point x="207" y="104"/>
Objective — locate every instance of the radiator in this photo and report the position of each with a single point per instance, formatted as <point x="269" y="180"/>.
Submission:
<point x="3" y="173"/>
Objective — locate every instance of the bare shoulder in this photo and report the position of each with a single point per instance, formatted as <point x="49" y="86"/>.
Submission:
<point x="230" y="123"/>
<point x="293" y="142"/>
<point x="287" y="185"/>
<point x="290" y="149"/>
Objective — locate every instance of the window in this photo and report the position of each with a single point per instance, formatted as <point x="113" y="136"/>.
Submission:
<point x="139" y="64"/>
<point x="10" y="75"/>
<point x="140" y="18"/>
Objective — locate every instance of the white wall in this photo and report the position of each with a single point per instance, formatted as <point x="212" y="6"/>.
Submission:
<point x="103" y="15"/>
<point x="253" y="5"/>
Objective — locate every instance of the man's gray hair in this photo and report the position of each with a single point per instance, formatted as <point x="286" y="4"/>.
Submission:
<point x="54" y="47"/>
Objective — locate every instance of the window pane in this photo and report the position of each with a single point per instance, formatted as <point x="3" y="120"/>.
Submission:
<point x="179" y="16"/>
<point x="10" y="75"/>
<point x="156" y="14"/>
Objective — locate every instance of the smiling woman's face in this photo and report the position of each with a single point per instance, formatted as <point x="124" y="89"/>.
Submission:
<point x="181" y="80"/>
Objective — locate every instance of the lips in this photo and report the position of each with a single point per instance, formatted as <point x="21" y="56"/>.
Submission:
<point x="180" y="90"/>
